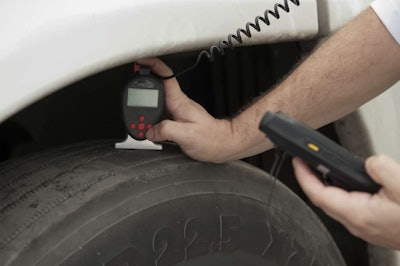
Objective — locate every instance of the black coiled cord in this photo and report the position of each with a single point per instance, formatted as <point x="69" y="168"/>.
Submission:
<point x="224" y="44"/>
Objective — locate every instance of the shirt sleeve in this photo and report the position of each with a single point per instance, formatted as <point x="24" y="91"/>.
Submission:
<point x="389" y="13"/>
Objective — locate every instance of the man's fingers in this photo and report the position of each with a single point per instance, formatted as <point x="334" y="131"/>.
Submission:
<point x="386" y="172"/>
<point x="168" y="130"/>
<point x="158" y="66"/>
<point x="335" y="202"/>
<point x="305" y="176"/>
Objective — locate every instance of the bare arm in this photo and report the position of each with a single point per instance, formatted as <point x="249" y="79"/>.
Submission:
<point x="356" y="64"/>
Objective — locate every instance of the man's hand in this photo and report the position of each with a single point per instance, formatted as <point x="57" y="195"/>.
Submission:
<point x="374" y="218"/>
<point x="198" y="134"/>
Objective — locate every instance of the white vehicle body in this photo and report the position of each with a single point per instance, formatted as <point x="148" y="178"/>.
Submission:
<point x="46" y="45"/>
<point x="57" y="43"/>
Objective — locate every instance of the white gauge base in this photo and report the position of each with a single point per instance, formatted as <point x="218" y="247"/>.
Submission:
<point x="133" y="144"/>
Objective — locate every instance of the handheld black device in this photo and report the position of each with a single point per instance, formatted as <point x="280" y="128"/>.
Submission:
<point x="143" y="103"/>
<point x="338" y="166"/>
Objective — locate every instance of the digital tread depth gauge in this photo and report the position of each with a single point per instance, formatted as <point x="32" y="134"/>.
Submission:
<point x="143" y="104"/>
<point x="338" y="166"/>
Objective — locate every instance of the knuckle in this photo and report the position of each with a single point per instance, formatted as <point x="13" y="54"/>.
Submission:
<point x="162" y="127"/>
<point x="163" y="124"/>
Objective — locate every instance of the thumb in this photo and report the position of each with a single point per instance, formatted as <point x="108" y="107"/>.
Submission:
<point x="168" y="130"/>
<point x="386" y="172"/>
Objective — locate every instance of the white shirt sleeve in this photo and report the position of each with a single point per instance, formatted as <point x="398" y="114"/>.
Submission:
<point x="389" y="13"/>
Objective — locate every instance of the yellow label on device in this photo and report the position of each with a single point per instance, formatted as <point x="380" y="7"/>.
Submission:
<point x="313" y="147"/>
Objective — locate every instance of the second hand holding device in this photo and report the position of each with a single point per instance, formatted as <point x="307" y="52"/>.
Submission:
<point x="338" y="166"/>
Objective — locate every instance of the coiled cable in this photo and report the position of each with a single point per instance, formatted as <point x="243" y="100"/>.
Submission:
<point x="229" y="42"/>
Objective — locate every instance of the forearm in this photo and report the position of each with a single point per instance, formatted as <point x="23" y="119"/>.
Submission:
<point x="356" y="64"/>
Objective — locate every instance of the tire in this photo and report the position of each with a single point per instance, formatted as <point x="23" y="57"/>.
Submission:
<point x="90" y="204"/>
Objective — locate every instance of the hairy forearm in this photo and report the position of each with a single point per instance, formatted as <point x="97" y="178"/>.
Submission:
<point x="353" y="66"/>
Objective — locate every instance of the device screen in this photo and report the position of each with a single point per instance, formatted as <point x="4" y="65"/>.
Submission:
<point x="142" y="98"/>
